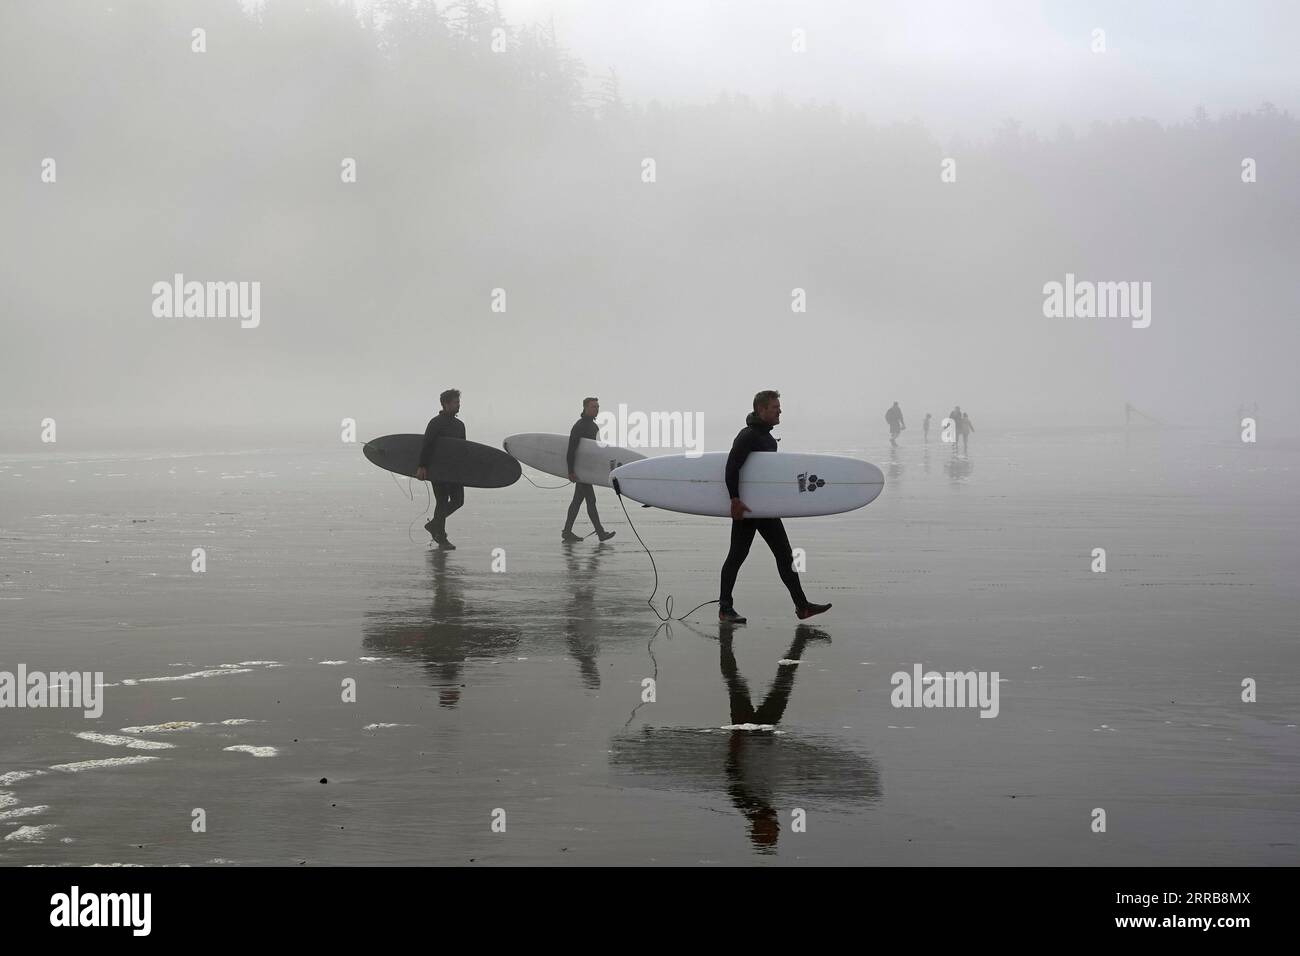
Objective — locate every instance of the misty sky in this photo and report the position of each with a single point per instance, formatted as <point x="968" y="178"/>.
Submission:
<point x="961" y="66"/>
<point x="479" y="171"/>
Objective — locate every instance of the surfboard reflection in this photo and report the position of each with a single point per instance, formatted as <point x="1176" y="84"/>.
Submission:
<point x="445" y="636"/>
<point x="764" y="774"/>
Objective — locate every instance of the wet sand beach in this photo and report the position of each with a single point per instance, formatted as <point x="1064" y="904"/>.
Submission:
<point x="478" y="691"/>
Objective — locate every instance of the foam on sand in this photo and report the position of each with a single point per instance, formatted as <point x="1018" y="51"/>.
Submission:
<point x="165" y="728"/>
<point x="19" y="812"/>
<point x="34" y="834"/>
<point x="255" y="751"/>
<point x="211" y="672"/>
<point x="13" y="776"/>
<point x="115" y="740"/>
<point x="81" y="765"/>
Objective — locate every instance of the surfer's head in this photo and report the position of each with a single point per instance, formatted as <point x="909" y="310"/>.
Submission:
<point x="590" y="407"/>
<point x="767" y="406"/>
<point x="450" y="401"/>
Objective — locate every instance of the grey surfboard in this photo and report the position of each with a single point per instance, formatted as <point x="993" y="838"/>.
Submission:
<point x="455" y="460"/>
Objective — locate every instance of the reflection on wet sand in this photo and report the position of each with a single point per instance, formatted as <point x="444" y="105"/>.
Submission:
<point x="895" y="469"/>
<point x="762" y="771"/>
<point x="959" y="468"/>
<point x="445" y="636"/>
<point x="581" y="628"/>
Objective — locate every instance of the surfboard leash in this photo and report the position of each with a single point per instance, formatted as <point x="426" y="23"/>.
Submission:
<point x="668" y="598"/>
<point x="544" y="487"/>
<point x="410" y="495"/>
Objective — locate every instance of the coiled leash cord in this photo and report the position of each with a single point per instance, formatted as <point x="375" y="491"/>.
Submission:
<point x="668" y="598"/>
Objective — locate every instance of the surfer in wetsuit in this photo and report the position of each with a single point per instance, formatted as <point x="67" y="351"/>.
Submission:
<point x="894" y="417"/>
<point x="584" y="427"/>
<point x="925" y="427"/>
<point x="448" y="497"/>
<point x="756" y="436"/>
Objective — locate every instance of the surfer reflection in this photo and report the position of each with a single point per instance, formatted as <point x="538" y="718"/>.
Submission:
<point x="748" y="786"/>
<point x="447" y="497"/>
<point x="584" y="427"/>
<point x="763" y="773"/>
<point x="959" y="469"/>
<point x="582" y="628"/>
<point x="444" y="637"/>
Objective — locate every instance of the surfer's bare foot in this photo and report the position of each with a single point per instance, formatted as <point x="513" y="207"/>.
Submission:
<point x="444" y="544"/>
<point x="728" y="615"/>
<point x="428" y="526"/>
<point x="808" y="610"/>
<point x="606" y="535"/>
<point x="570" y="536"/>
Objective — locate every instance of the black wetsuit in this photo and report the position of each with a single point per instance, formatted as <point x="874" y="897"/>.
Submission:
<point x="584" y="427"/>
<point x="755" y="437"/>
<point x="446" y="496"/>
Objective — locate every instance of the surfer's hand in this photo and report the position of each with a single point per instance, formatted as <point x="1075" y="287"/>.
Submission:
<point x="421" y="474"/>
<point x="738" y="509"/>
<point x="573" y="477"/>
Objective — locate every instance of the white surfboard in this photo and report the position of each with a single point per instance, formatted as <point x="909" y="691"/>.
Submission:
<point x="592" y="463"/>
<point x="774" y="484"/>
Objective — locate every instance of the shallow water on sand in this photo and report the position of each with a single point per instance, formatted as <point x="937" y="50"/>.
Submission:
<point x="480" y="691"/>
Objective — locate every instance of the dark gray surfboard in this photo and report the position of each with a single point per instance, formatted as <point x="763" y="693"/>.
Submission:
<point x="455" y="461"/>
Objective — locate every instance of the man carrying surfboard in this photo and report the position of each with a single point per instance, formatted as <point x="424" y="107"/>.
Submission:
<point x="757" y="436"/>
<point x="447" y="497"/>
<point x="584" y="427"/>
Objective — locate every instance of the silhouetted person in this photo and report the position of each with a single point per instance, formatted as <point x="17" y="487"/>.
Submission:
<point x="584" y="427"/>
<point x="925" y="427"/>
<point x="894" y="417"/>
<point x="448" y="497"/>
<point x="954" y="416"/>
<point x="964" y="430"/>
<point x="756" y="436"/>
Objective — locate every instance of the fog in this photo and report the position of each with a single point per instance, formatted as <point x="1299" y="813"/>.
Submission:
<point x="920" y="173"/>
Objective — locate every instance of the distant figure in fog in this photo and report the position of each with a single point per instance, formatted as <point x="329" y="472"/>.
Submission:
<point x="894" y="417"/>
<point x="964" y="429"/>
<point x="925" y="428"/>
<point x="954" y="416"/>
